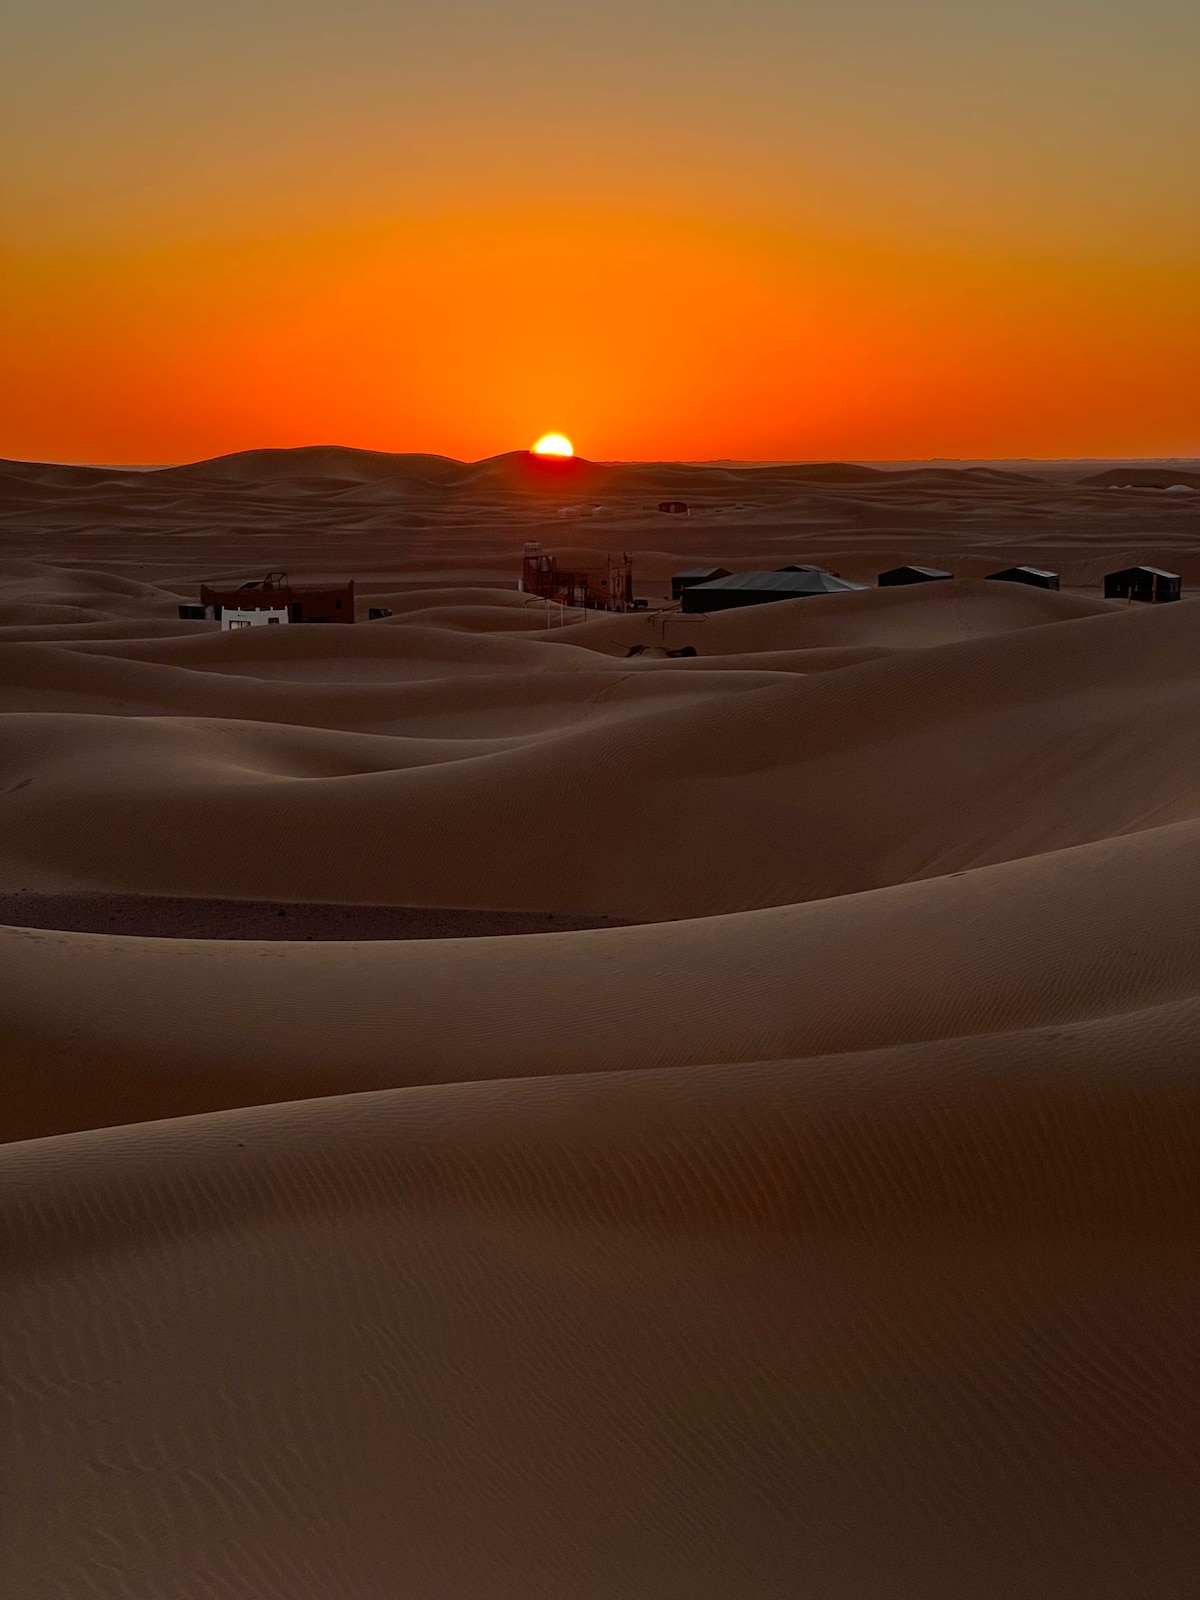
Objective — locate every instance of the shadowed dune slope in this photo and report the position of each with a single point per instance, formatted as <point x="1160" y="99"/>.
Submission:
<point x="829" y="1230"/>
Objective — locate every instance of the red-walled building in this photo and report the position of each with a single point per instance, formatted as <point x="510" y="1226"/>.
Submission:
<point x="304" y="602"/>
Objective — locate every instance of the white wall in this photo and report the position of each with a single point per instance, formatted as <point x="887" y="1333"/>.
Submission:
<point x="250" y="619"/>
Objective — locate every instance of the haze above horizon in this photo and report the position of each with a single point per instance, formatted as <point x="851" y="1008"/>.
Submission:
<point x="763" y="231"/>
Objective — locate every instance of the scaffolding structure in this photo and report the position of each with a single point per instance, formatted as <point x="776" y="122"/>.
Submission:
<point x="610" y="590"/>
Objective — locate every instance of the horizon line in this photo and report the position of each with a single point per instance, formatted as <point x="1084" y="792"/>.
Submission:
<point x="633" y="461"/>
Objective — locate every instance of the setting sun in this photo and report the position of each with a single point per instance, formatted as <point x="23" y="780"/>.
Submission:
<point x="554" y="444"/>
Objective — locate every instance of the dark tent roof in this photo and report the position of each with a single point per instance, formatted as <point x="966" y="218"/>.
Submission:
<point x="701" y="572"/>
<point x="794" y="568"/>
<point x="1036" y="576"/>
<point x="914" y="575"/>
<point x="1125" y="572"/>
<point x="922" y="572"/>
<point x="811" y="581"/>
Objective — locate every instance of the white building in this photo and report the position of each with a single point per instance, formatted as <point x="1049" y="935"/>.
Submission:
<point x="251" y="619"/>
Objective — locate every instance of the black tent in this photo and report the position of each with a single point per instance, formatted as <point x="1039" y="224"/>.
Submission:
<point x="758" y="588"/>
<point x="692" y="575"/>
<point x="895" y="576"/>
<point x="1037" y="576"/>
<point x="1142" y="583"/>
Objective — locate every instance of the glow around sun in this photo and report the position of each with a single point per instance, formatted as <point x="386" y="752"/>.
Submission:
<point x="554" y="444"/>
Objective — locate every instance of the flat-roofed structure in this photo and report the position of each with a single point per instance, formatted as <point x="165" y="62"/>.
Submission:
<point x="895" y="576"/>
<point x="693" y="575"/>
<point x="1150" y="584"/>
<point x="1036" y="577"/>
<point x="302" y="602"/>
<point x="760" y="588"/>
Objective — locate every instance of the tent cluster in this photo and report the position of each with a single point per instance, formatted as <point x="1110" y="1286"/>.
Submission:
<point x="1037" y="577"/>
<point x="718" y="589"/>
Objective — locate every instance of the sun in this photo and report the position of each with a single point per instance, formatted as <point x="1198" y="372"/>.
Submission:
<point x="554" y="444"/>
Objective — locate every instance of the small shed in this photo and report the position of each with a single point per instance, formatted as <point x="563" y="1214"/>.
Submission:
<point x="692" y="575"/>
<point x="191" y="612"/>
<point x="1142" y="583"/>
<point x="675" y="508"/>
<point x="895" y="576"/>
<point x="1037" y="577"/>
<point x="759" y="588"/>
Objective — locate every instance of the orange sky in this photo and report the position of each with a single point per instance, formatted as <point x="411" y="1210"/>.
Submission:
<point x="936" y="245"/>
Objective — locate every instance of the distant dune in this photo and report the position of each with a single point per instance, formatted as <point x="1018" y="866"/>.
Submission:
<point x="309" y="466"/>
<point x="1142" y="478"/>
<point x="494" y="1108"/>
<point x="315" y="462"/>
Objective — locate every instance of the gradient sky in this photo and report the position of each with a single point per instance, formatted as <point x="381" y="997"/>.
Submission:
<point x="758" y="229"/>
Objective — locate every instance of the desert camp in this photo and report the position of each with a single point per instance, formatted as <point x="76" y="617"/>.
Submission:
<point x="599" y="838"/>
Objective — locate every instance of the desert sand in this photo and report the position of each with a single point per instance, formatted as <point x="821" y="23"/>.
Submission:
<point x="490" y="1115"/>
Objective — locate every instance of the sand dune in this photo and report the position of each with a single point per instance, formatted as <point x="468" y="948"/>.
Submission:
<point x="910" y="766"/>
<point x="724" y="1331"/>
<point x="901" y="618"/>
<point x="829" y="1229"/>
<point x="234" y="1023"/>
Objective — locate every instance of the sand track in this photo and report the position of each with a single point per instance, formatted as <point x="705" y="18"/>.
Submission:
<point x="830" y="1230"/>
